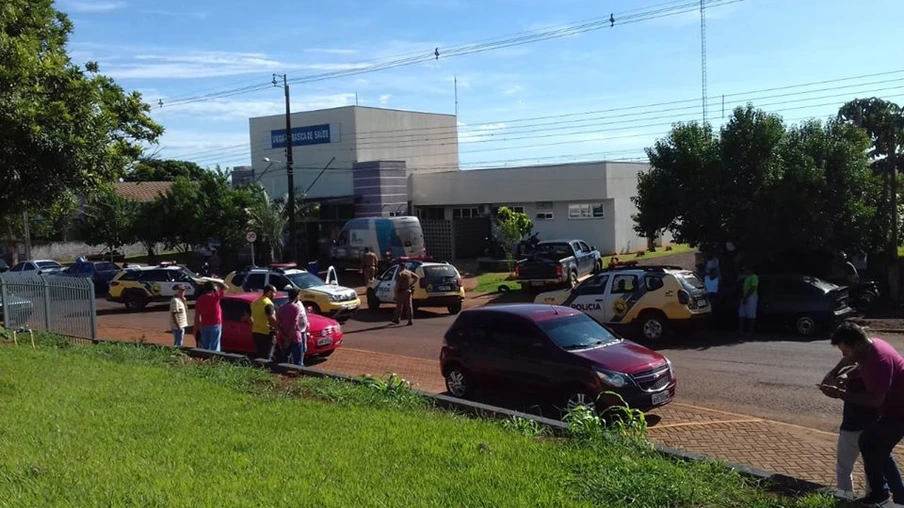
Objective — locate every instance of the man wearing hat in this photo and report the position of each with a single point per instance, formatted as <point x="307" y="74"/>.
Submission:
<point x="178" y="315"/>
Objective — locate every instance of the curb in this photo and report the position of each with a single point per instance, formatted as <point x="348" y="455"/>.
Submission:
<point x="778" y="482"/>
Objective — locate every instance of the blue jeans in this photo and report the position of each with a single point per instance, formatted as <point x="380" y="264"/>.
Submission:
<point x="210" y="337"/>
<point x="296" y="354"/>
<point x="178" y="336"/>
<point x="876" y="445"/>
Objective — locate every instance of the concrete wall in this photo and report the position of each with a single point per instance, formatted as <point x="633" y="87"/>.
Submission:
<point x="424" y="141"/>
<point x="382" y="187"/>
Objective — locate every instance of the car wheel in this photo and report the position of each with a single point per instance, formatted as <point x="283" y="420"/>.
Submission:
<point x="313" y="306"/>
<point x="455" y="308"/>
<point x="579" y="398"/>
<point x="573" y="280"/>
<point x="806" y="326"/>
<point x="457" y="382"/>
<point x="135" y="300"/>
<point x="652" y="326"/>
<point x="373" y="303"/>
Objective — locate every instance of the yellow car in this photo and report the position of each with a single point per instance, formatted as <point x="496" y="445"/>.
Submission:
<point x="439" y="285"/>
<point x="137" y="286"/>
<point x="323" y="297"/>
<point x="653" y="298"/>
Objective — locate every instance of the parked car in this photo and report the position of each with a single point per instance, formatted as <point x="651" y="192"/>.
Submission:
<point x="100" y="272"/>
<point x="652" y="299"/>
<point x="557" y="262"/>
<point x="19" y="310"/>
<point x="38" y="267"/>
<point x="323" y="297"/>
<point x="556" y="352"/>
<point x="3" y="266"/>
<point x="807" y="305"/>
<point x="439" y="285"/>
<point x="137" y="286"/>
<point x="324" y="337"/>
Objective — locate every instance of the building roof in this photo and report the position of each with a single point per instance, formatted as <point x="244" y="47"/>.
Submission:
<point x="357" y="107"/>
<point x="142" y="191"/>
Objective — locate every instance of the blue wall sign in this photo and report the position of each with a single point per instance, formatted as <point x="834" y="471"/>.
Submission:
<point x="301" y="136"/>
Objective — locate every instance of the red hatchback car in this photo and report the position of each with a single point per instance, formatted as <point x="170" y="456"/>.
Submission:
<point x="555" y="352"/>
<point x="324" y="337"/>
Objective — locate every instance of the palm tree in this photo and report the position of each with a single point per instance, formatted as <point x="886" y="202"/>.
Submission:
<point x="269" y="219"/>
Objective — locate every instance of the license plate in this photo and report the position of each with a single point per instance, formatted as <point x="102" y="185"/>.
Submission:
<point x="444" y="288"/>
<point x="326" y="341"/>
<point x="702" y="303"/>
<point x="660" y="397"/>
<point x="536" y="283"/>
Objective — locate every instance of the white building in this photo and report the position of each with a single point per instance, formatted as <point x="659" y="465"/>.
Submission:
<point x="346" y="136"/>
<point x="590" y="201"/>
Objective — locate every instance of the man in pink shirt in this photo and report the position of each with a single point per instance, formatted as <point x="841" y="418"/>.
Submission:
<point x="293" y="329"/>
<point x="209" y="316"/>
<point x="882" y="371"/>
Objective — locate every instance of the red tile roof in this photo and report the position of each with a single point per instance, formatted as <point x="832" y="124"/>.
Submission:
<point x="142" y="191"/>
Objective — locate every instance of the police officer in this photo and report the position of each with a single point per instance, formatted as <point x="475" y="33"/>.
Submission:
<point x="405" y="281"/>
<point x="369" y="265"/>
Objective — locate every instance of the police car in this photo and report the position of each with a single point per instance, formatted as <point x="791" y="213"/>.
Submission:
<point x="135" y="287"/>
<point x="439" y="285"/>
<point x="322" y="297"/>
<point x="653" y="298"/>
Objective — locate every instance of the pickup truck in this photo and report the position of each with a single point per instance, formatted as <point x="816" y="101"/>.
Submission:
<point x="557" y="262"/>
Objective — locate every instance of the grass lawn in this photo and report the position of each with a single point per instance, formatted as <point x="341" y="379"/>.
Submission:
<point x="120" y="425"/>
<point x="490" y="282"/>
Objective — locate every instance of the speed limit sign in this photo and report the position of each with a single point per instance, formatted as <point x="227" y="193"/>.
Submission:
<point x="250" y="237"/>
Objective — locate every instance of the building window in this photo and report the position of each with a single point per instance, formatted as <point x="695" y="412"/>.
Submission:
<point x="465" y="213"/>
<point x="544" y="216"/>
<point x="585" y="211"/>
<point x="431" y="213"/>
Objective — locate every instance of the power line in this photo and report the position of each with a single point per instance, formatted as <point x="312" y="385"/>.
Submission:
<point x="529" y="37"/>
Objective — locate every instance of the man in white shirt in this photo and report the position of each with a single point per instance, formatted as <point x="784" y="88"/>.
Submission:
<point x="178" y="315"/>
<point x="711" y="282"/>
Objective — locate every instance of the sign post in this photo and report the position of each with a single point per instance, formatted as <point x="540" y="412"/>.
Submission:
<point x="251" y="237"/>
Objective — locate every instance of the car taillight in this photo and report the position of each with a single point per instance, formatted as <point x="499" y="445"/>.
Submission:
<point x="558" y="270"/>
<point x="458" y="283"/>
<point x="517" y="271"/>
<point x="683" y="297"/>
<point x="114" y="283"/>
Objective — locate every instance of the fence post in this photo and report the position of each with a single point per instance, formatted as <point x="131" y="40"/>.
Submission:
<point x="93" y="308"/>
<point x="3" y="298"/>
<point x="46" y="291"/>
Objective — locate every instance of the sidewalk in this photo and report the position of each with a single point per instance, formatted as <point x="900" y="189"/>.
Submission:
<point x="799" y="452"/>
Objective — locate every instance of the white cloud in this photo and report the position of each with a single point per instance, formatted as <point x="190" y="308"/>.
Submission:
<point x="332" y="51"/>
<point x="512" y="90"/>
<point x="226" y="110"/>
<point x="199" y="15"/>
<point x="384" y="99"/>
<point x="208" y="64"/>
<point x="88" y="6"/>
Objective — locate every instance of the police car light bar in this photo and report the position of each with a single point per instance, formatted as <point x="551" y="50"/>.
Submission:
<point x="284" y="266"/>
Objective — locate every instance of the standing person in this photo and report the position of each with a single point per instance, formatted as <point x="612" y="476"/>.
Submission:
<point x="711" y="282"/>
<point x="178" y="315"/>
<point x="405" y="281"/>
<point x="369" y="263"/>
<point x="712" y="263"/>
<point x="750" y="297"/>
<point x="293" y="328"/>
<point x="263" y="322"/>
<point x="882" y="371"/>
<point x="209" y="315"/>
<point x="853" y="421"/>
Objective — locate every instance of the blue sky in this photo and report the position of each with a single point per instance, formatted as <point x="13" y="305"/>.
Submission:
<point x="170" y="49"/>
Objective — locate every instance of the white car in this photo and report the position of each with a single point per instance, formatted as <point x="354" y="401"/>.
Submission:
<point x="38" y="267"/>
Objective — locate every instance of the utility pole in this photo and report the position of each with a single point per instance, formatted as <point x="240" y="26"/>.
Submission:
<point x="290" y="170"/>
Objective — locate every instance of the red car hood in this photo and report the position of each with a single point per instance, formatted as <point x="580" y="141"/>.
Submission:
<point x="319" y="322"/>
<point x="625" y="356"/>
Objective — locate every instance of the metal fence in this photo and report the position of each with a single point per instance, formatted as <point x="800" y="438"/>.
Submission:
<point x="51" y="303"/>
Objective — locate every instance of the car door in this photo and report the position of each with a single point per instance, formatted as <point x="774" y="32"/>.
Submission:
<point x="620" y="296"/>
<point x="236" y="326"/>
<point x="190" y="284"/>
<point x="788" y="299"/>
<point x="280" y="282"/>
<point x="587" y="262"/>
<point x="386" y="287"/>
<point x="531" y="366"/>
<point x="589" y="297"/>
<point x="154" y="281"/>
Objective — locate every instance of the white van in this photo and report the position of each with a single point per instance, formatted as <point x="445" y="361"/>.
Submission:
<point x="390" y="238"/>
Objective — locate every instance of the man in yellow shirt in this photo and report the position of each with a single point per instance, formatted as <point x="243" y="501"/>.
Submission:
<point x="263" y="323"/>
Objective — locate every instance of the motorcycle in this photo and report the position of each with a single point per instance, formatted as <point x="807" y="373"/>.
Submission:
<point x="864" y="295"/>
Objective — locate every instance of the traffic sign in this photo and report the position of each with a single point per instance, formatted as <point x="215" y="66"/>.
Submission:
<point x="250" y="237"/>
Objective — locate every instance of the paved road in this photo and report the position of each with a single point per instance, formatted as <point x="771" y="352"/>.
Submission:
<point x="770" y="377"/>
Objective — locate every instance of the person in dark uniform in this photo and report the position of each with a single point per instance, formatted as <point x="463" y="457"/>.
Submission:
<point x="405" y="281"/>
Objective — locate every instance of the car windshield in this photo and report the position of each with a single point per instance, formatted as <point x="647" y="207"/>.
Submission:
<point x="439" y="271"/>
<point x="577" y="332"/>
<point x="305" y="280"/>
<point x="690" y="281"/>
<point x="188" y="272"/>
<point x="552" y="251"/>
<point x="48" y="264"/>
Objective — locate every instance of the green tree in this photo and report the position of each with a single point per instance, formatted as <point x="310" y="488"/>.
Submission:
<point x="163" y="170"/>
<point x="107" y="219"/>
<point x="147" y="226"/>
<point x="65" y="128"/>
<point x="510" y="228"/>
<point x="768" y="189"/>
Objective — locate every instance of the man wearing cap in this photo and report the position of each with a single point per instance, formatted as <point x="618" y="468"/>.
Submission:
<point x="264" y="323"/>
<point x="405" y="281"/>
<point x="178" y="315"/>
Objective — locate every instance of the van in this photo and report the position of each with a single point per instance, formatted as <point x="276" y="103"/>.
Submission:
<point x="390" y="238"/>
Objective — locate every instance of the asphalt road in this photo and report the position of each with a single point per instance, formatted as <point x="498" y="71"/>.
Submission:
<point x="768" y="377"/>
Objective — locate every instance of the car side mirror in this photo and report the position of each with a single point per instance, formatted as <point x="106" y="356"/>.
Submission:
<point x="288" y="287"/>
